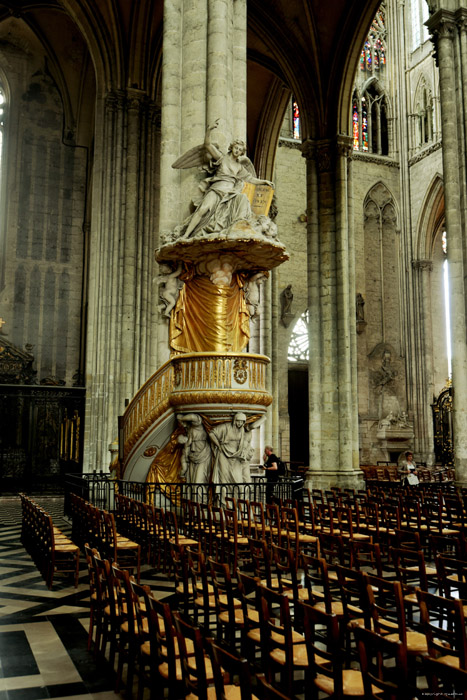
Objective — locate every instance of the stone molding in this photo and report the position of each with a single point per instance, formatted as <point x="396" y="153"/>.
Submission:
<point x="375" y="158"/>
<point x="426" y="152"/>
<point x="422" y="265"/>
<point x="290" y="143"/>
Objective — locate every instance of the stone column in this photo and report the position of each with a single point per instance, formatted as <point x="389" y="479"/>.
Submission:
<point x="333" y="453"/>
<point x="443" y="25"/>
<point x="120" y="269"/>
<point x="423" y="417"/>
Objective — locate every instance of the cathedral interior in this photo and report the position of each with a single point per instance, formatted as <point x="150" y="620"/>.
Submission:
<point x="346" y="346"/>
<point x="353" y="110"/>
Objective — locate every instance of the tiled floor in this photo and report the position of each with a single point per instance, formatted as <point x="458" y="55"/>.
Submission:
<point x="43" y="634"/>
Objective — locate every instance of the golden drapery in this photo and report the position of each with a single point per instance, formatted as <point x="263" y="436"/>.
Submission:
<point x="210" y="318"/>
<point x="166" y="466"/>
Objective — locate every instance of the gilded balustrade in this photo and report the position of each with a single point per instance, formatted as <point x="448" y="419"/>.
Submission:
<point x="198" y="381"/>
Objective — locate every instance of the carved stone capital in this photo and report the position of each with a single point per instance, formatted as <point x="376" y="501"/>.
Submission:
<point x="442" y="25"/>
<point x="422" y="265"/>
<point x="344" y="146"/>
<point x="115" y="100"/>
<point x="308" y="149"/>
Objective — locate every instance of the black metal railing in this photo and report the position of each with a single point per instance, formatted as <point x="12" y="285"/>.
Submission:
<point x="100" y="489"/>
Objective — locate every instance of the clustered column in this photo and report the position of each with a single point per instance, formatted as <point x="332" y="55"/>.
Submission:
<point x="121" y="271"/>
<point x="448" y="30"/>
<point x="331" y="284"/>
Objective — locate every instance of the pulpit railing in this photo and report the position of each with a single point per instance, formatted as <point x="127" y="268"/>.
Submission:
<point x="100" y="489"/>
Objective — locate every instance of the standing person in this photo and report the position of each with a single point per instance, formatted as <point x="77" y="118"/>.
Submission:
<point x="272" y="472"/>
<point x="411" y="478"/>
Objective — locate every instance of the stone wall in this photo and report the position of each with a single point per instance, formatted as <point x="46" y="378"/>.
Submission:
<point x="290" y="180"/>
<point x="42" y="266"/>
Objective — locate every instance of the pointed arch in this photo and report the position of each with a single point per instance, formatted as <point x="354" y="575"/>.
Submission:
<point x="430" y="219"/>
<point x="423" y="110"/>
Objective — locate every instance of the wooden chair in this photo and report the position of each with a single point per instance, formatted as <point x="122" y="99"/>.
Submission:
<point x="248" y="590"/>
<point x="261" y="562"/>
<point x="96" y="601"/>
<point x="111" y="620"/>
<point x="129" y="640"/>
<point x="366" y="556"/>
<point x="204" y="602"/>
<point x="227" y="667"/>
<point x="326" y="672"/>
<point x="383" y="681"/>
<point x="166" y="669"/>
<point x="286" y="565"/>
<point x="184" y="591"/>
<point x="258" y="523"/>
<point x="196" y="668"/>
<point x="410" y="569"/>
<point x="119" y="549"/>
<point x="293" y="538"/>
<point x="452" y="577"/>
<point x="228" y="607"/>
<point x="386" y="602"/>
<point x="269" y="691"/>
<point x="444" y="681"/>
<point x="283" y="649"/>
<point x="443" y="622"/>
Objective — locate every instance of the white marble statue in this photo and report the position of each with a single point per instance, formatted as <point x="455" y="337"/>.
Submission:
<point x="221" y="202"/>
<point x="197" y="455"/>
<point x="252" y="294"/>
<point x="232" y="449"/>
<point x="170" y="288"/>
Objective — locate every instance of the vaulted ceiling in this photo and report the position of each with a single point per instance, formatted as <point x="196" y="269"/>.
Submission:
<point x="304" y="47"/>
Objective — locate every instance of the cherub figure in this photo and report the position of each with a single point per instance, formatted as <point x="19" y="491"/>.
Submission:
<point x="221" y="202"/>
<point x="252" y="293"/>
<point x="170" y="287"/>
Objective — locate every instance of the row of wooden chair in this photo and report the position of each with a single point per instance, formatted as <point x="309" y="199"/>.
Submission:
<point x="157" y="644"/>
<point x="97" y="527"/>
<point x="375" y="604"/>
<point x="51" y="550"/>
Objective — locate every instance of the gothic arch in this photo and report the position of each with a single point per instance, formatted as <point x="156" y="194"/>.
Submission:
<point x="423" y="111"/>
<point x="350" y="65"/>
<point x="430" y="218"/>
<point x="379" y="197"/>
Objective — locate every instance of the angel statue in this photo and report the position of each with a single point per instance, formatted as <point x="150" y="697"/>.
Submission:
<point x="221" y="202"/>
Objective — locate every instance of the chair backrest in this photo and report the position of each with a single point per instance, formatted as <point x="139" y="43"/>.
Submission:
<point x="352" y="587"/>
<point x="317" y="580"/>
<point x="325" y="656"/>
<point x="386" y="604"/>
<point x="235" y="666"/>
<point x="444" y="680"/>
<point x="269" y="692"/>
<point x="366" y="556"/>
<point x="452" y="576"/>
<point x="258" y="524"/>
<point x="261" y="559"/>
<point x="193" y="667"/>
<point x="125" y="599"/>
<point x="443" y="622"/>
<point x="276" y="632"/>
<point x="382" y="681"/>
<point x="409" y="565"/>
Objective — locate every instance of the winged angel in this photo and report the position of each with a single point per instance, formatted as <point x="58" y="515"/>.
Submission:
<point x="221" y="201"/>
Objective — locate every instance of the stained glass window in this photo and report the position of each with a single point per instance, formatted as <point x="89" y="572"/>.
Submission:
<point x="355" y="124"/>
<point x="296" y="120"/>
<point x="364" y="125"/>
<point x="299" y="343"/>
<point x="373" y="56"/>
